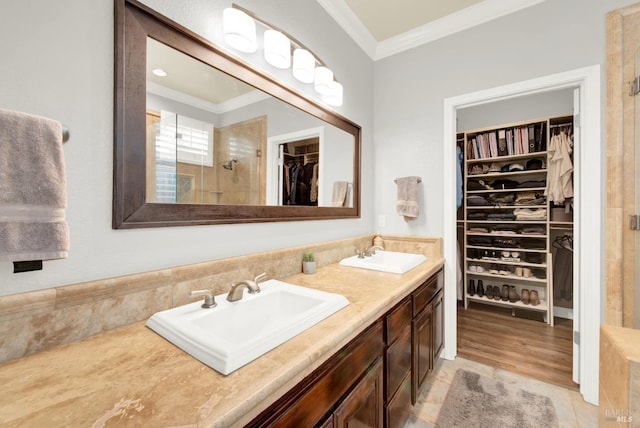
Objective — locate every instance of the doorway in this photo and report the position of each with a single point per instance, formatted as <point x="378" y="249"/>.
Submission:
<point x="305" y="149"/>
<point x="587" y="221"/>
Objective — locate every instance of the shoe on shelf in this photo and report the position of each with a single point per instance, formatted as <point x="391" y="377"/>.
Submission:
<point x="505" y="293"/>
<point x="490" y="292"/>
<point x="513" y="295"/>
<point x="524" y="296"/>
<point x="519" y="271"/>
<point x="480" y="289"/>
<point x="526" y="272"/>
<point x="493" y="269"/>
<point x="503" y="270"/>
<point x="496" y="293"/>
<point x="471" y="289"/>
<point x="473" y="268"/>
<point x="533" y="298"/>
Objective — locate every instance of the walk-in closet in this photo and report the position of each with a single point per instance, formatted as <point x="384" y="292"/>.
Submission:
<point x="515" y="195"/>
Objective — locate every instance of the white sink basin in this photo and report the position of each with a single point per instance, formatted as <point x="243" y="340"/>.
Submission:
<point x="386" y="261"/>
<point x="232" y="334"/>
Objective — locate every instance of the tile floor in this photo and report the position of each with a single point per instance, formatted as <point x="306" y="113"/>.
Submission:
<point x="572" y="410"/>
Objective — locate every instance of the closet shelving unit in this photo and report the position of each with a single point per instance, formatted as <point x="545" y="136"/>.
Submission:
<point x="489" y="255"/>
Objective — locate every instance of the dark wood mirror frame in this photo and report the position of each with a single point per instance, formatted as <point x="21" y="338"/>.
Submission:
<point x="135" y="22"/>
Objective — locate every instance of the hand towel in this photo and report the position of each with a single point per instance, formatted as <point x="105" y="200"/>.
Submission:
<point x="33" y="194"/>
<point x="339" y="193"/>
<point x="407" y="203"/>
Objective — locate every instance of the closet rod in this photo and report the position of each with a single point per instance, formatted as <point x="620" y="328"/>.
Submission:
<point x="560" y="125"/>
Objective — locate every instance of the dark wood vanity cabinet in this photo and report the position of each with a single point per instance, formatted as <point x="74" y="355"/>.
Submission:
<point x="346" y="388"/>
<point x="373" y="380"/>
<point x="427" y="330"/>
<point x="397" y="362"/>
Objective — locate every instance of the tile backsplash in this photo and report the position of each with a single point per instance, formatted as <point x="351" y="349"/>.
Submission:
<point x="36" y="321"/>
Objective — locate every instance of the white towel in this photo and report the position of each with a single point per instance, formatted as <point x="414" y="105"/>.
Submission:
<point x="407" y="203"/>
<point x="339" y="193"/>
<point x="33" y="194"/>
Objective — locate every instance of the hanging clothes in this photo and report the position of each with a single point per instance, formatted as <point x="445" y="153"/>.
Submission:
<point x="563" y="269"/>
<point x="560" y="174"/>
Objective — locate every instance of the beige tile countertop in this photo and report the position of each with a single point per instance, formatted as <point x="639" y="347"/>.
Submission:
<point x="133" y="377"/>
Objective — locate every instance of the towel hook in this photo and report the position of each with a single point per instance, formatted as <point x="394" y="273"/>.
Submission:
<point x="65" y="134"/>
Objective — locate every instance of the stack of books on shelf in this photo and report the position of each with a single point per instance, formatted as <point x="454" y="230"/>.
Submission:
<point x="519" y="140"/>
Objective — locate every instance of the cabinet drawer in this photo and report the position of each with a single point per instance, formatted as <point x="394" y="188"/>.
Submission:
<point x="398" y="359"/>
<point x="423" y="295"/>
<point x="397" y="321"/>
<point x="306" y="404"/>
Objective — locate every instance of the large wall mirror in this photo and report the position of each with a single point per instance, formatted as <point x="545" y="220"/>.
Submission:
<point x="203" y="138"/>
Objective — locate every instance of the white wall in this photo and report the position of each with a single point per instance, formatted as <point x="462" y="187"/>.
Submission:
<point x="410" y="87"/>
<point x="57" y="61"/>
<point x="535" y="106"/>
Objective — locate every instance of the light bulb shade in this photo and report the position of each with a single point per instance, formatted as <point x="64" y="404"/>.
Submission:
<point x="304" y="65"/>
<point x="239" y="30"/>
<point x="323" y="80"/>
<point x="334" y="98"/>
<point x="277" y="49"/>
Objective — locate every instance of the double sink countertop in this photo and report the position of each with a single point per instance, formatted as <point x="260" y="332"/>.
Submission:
<point x="131" y="376"/>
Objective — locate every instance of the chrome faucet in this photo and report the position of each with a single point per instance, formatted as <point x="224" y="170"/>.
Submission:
<point x="372" y="250"/>
<point x="253" y="286"/>
<point x="209" y="299"/>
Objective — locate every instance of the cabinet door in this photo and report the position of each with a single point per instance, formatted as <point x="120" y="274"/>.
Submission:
<point x="422" y="342"/>
<point x="438" y="325"/>
<point x="363" y="406"/>
<point x="398" y="362"/>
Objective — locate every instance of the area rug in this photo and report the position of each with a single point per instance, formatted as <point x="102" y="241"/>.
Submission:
<point x="478" y="401"/>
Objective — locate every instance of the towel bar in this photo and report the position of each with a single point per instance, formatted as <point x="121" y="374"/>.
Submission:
<point x="419" y="180"/>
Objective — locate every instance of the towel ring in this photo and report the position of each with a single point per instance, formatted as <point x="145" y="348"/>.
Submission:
<point x="65" y="134"/>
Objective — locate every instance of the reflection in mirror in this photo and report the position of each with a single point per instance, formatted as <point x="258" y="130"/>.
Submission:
<point x="200" y="120"/>
<point x="203" y="138"/>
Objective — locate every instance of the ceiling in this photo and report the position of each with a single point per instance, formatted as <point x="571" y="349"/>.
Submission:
<point x="383" y="28"/>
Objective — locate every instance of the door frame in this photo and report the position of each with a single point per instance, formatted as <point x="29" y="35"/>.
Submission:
<point x="588" y="214"/>
<point x="273" y="160"/>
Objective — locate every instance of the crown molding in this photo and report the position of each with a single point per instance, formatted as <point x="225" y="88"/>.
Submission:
<point x="220" y="108"/>
<point x="344" y="16"/>
<point x="459" y="21"/>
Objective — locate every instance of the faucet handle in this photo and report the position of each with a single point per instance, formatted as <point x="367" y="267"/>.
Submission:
<point x="209" y="299"/>
<point x="260" y="277"/>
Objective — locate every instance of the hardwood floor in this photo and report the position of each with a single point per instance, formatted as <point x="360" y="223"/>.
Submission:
<point x="490" y="335"/>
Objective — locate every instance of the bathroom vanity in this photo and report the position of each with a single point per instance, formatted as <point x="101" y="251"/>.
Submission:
<point x="367" y="361"/>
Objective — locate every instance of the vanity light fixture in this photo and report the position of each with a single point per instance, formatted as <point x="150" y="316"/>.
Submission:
<point x="239" y="27"/>
<point x="334" y="97"/>
<point x="277" y="49"/>
<point x="304" y="65"/>
<point x="323" y="80"/>
<point x="239" y="30"/>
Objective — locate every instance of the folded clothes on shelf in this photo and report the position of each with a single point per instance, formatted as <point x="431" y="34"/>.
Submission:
<point x="502" y="198"/>
<point x="477" y="200"/>
<point x="479" y="241"/>
<point x="480" y="215"/>
<point x="505" y="242"/>
<point x="530" y="214"/>
<point x="532" y="184"/>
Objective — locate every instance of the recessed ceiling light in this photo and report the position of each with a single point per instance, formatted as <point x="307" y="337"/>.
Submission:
<point x="159" y="72"/>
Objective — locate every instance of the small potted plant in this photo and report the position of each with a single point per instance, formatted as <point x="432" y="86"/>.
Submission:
<point x="308" y="263"/>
